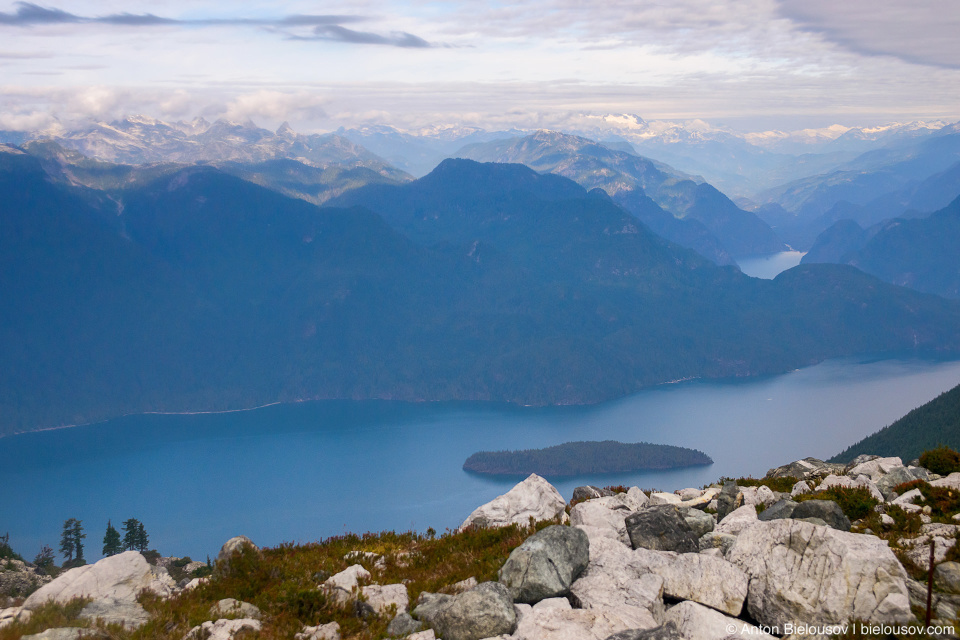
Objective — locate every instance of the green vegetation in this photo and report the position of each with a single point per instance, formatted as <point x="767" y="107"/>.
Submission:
<point x="578" y="458"/>
<point x="71" y="543"/>
<point x="782" y="485"/>
<point x="855" y="502"/>
<point x="49" y="616"/>
<point x="935" y="424"/>
<point x="135" y="536"/>
<point x="111" y="541"/>
<point x="6" y="552"/>
<point x="942" y="460"/>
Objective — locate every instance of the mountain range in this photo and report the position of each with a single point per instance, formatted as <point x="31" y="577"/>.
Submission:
<point x="197" y="290"/>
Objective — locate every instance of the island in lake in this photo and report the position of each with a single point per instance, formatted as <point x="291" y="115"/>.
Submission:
<point x="579" y="458"/>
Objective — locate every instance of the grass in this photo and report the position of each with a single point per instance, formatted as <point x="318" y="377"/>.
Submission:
<point x="282" y="583"/>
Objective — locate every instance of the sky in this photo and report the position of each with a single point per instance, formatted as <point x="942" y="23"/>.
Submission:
<point x="749" y="65"/>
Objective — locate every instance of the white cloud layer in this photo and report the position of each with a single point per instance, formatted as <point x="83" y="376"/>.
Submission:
<point x="492" y="64"/>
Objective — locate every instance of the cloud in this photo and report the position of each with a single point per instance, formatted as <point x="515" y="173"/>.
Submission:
<point x="342" y="34"/>
<point x="29" y="14"/>
<point x="917" y="32"/>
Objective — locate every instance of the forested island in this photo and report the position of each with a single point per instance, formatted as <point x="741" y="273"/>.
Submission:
<point x="578" y="458"/>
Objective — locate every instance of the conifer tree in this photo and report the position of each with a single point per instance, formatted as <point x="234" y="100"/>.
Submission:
<point x="111" y="541"/>
<point x="71" y="542"/>
<point x="143" y="541"/>
<point x="131" y="528"/>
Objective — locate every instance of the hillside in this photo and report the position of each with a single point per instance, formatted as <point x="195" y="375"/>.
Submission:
<point x="476" y="282"/>
<point x="919" y="253"/>
<point x="926" y="427"/>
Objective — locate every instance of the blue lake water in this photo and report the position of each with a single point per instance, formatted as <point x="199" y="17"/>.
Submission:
<point x="770" y="265"/>
<point x="307" y="471"/>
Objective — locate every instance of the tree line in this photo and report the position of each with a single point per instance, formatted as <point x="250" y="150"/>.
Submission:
<point x="134" y="538"/>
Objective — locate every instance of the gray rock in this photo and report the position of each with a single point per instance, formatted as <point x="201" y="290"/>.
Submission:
<point x="546" y="564"/>
<point x="778" y="511"/>
<point x="231" y="608"/>
<point x="588" y="492"/>
<point x="802" y="573"/>
<point x="112" y="611"/>
<point x="661" y="528"/>
<point x="727" y="499"/>
<point x="947" y="576"/>
<point x="700" y="523"/>
<point x="827" y="510"/>
<point x="463" y="585"/>
<point x="715" y="540"/>
<point x="386" y="598"/>
<point x="403" y="625"/>
<point x="875" y="468"/>
<point x="534" y="498"/>
<point x="806" y="469"/>
<point x="663" y="632"/>
<point x="482" y="612"/>
<point x="898" y="476"/>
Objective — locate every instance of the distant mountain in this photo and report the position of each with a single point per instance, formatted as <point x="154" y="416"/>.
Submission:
<point x="201" y="291"/>
<point x="919" y="253"/>
<point x="904" y="180"/>
<point x="927" y="427"/>
<point x="624" y="175"/>
<point x="140" y="140"/>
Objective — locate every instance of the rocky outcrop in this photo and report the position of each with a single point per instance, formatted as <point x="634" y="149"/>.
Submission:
<point x="546" y="564"/>
<point x="120" y="577"/>
<point x="661" y="528"/>
<point x="800" y="572"/>
<point x="806" y="469"/>
<point x="534" y="498"/>
<point x="17" y="578"/>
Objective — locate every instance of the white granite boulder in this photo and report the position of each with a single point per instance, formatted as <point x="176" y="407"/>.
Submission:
<point x="737" y="520"/>
<point x="345" y="585"/>
<point x="119" y="577"/>
<point x="554" y="619"/>
<point x="697" y="622"/>
<point x="230" y="607"/>
<point x="533" y="498"/>
<point x="875" y="468"/>
<point x="851" y="482"/>
<point x="224" y="629"/>
<point x="708" y="580"/>
<point x="383" y="598"/>
<point x="329" y="631"/>
<point x="801" y="572"/>
<point x="112" y="611"/>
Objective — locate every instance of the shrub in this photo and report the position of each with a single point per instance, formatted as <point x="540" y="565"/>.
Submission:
<point x="942" y="460"/>
<point x="781" y="485"/>
<point x="855" y="502"/>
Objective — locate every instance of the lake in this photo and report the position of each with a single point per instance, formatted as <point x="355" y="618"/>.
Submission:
<point x="306" y="471"/>
<point x="769" y="266"/>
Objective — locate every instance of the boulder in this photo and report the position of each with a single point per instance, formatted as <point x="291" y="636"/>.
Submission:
<point x="604" y="515"/>
<point x="899" y="476"/>
<point x="403" y="624"/>
<point x="546" y="564"/>
<point x="719" y="541"/>
<point x="613" y="585"/>
<point x="533" y="498"/>
<point x="778" y="511"/>
<point x="805" y="469"/>
<point x="667" y="631"/>
<point x="554" y="619"/>
<point x="112" y="611"/>
<point x="484" y="611"/>
<point x="589" y="492"/>
<point x="329" y="631"/>
<point x="344" y="586"/>
<point x="947" y="576"/>
<point x="697" y="622"/>
<point x="703" y="500"/>
<point x="917" y="549"/>
<point x="758" y="495"/>
<point x="67" y="633"/>
<point x="119" y="577"/>
<point x="386" y="598"/>
<point x="711" y="581"/>
<point x="849" y="482"/>
<point x="422" y="635"/>
<point x="803" y="573"/>
<point x="664" y="498"/>
<point x="728" y="499"/>
<point x="463" y="585"/>
<point x="800" y="488"/>
<point x="826" y="510"/>
<point x="429" y="605"/>
<point x="662" y="528"/>
<point x="875" y="468"/>
<point x="700" y="522"/>
<point x="224" y="629"/>
<point x="229" y="607"/>
<point x="232" y="547"/>
<point x="952" y="481"/>
<point x="737" y="520"/>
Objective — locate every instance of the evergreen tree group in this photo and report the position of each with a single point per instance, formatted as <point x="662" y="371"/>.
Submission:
<point x="135" y="536"/>
<point x="71" y="542"/>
